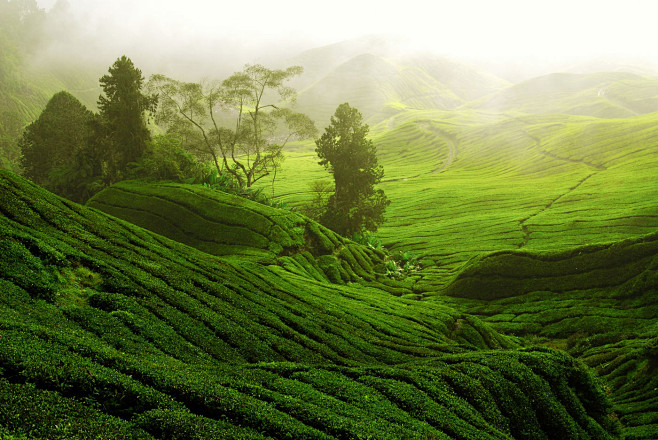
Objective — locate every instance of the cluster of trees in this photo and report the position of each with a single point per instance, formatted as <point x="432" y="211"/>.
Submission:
<point x="74" y="152"/>
<point x="238" y="126"/>
<point x="237" y="123"/>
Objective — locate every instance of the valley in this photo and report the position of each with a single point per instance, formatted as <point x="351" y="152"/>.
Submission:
<point x="173" y="310"/>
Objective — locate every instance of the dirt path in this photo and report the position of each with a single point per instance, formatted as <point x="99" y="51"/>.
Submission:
<point x="522" y="222"/>
<point x="566" y="159"/>
<point x="452" y="152"/>
<point x="451" y="142"/>
<point x="597" y="168"/>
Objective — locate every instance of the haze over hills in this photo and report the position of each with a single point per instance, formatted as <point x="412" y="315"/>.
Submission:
<point x="169" y="310"/>
<point x="382" y="86"/>
<point x="603" y="95"/>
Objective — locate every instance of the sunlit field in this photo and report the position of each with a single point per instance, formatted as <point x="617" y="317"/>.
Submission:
<point x="466" y="183"/>
<point x="149" y="291"/>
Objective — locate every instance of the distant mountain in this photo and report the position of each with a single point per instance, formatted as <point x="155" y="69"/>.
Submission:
<point x="375" y="76"/>
<point x="604" y="95"/>
<point x="610" y="64"/>
<point x="317" y="62"/>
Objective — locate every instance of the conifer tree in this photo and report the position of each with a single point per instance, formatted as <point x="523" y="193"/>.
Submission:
<point x="122" y="131"/>
<point x="351" y="157"/>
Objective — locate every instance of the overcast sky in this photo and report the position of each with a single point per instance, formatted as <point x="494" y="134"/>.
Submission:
<point x="464" y="28"/>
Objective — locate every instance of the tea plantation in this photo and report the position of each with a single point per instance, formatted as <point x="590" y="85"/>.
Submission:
<point x="109" y="330"/>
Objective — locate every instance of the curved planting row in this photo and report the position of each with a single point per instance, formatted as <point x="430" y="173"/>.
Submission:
<point x="224" y="225"/>
<point x="107" y="329"/>
<point x="599" y="302"/>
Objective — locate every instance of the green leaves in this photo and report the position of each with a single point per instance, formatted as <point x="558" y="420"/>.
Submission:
<point x="352" y="159"/>
<point x="122" y="113"/>
<point x="239" y="123"/>
<point x="61" y="131"/>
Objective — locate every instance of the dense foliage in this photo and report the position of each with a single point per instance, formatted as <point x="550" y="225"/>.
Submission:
<point x="76" y="153"/>
<point x="121" y="332"/>
<point x="351" y="158"/>
<point x="55" y="138"/>
<point x="121" y="132"/>
<point x="238" y="123"/>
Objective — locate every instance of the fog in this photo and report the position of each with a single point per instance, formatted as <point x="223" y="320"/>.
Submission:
<point x="202" y="37"/>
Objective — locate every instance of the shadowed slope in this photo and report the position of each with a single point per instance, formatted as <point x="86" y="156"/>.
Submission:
<point x="109" y="329"/>
<point x="225" y="225"/>
<point x="599" y="302"/>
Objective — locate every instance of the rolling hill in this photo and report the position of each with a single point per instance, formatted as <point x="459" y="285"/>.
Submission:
<point x="380" y="81"/>
<point x="120" y="332"/>
<point x="224" y="225"/>
<point x="463" y="183"/>
<point x="598" y="302"/>
<point x="535" y="209"/>
<point x="165" y="310"/>
<point x="602" y="94"/>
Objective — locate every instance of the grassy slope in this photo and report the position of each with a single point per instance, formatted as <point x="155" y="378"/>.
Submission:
<point x="604" y="95"/>
<point x="467" y="183"/>
<point x="598" y="302"/>
<point x="464" y="183"/>
<point x="108" y="329"/>
<point x="224" y="225"/>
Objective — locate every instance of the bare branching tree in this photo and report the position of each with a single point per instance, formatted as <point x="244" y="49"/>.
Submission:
<point x="240" y="123"/>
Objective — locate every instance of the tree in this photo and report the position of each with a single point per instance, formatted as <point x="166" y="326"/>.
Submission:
<point x="164" y="159"/>
<point x="239" y="123"/>
<point x="316" y="208"/>
<point x="52" y="141"/>
<point x="345" y="151"/>
<point x="122" y="130"/>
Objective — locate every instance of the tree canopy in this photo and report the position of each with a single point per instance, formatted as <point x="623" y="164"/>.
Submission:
<point x="122" y="129"/>
<point x="239" y="123"/>
<point x="54" y="138"/>
<point x="75" y="153"/>
<point x="351" y="157"/>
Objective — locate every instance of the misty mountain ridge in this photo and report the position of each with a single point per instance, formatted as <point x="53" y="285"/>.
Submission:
<point x="379" y="74"/>
<point x="526" y="199"/>
<point x="603" y="94"/>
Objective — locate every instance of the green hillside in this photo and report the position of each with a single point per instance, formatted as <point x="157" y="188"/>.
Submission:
<point x="599" y="302"/>
<point x="119" y="332"/>
<point x="466" y="183"/>
<point x="603" y="95"/>
<point x="381" y="86"/>
<point x="173" y="311"/>
<point x="224" y="225"/>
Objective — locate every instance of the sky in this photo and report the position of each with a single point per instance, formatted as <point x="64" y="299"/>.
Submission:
<point x="490" y="29"/>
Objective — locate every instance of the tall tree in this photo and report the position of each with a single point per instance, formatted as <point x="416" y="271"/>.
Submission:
<point x="351" y="157"/>
<point x="54" y="138"/>
<point x="123" y="109"/>
<point x="239" y="123"/>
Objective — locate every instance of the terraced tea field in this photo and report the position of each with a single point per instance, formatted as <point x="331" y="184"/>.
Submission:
<point x="110" y="330"/>
<point x="466" y="183"/>
<point x="544" y="226"/>
<point x="164" y="310"/>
